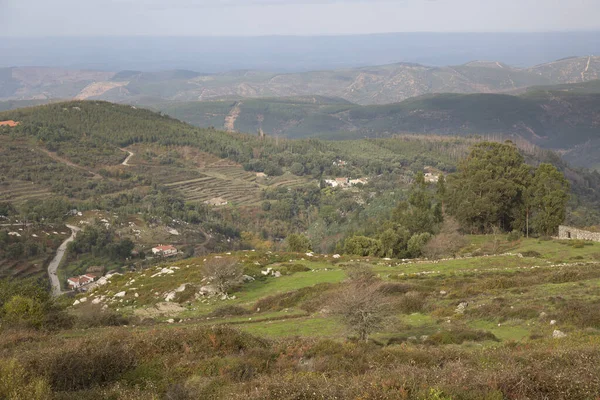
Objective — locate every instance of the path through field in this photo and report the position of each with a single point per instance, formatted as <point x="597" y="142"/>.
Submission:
<point x="126" y="161"/>
<point x="58" y="158"/>
<point x="53" y="266"/>
<point x="232" y="117"/>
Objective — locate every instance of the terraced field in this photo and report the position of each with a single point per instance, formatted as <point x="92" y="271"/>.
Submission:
<point x="215" y="184"/>
<point x="18" y="191"/>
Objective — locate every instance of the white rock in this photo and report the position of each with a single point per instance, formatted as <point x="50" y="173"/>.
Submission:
<point x="277" y="274"/>
<point x="76" y="302"/>
<point x="443" y="292"/>
<point x="336" y="256"/>
<point x="170" y="320"/>
<point x="558" y="334"/>
<point x="553" y="322"/>
<point x="136" y="295"/>
<point x="309" y="254"/>
<point x="120" y="294"/>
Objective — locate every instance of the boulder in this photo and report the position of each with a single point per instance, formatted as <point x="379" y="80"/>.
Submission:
<point x="558" y="334"/>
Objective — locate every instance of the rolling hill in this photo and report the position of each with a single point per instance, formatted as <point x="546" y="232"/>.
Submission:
<point x="558" y="117"/>
<point x="367" y="85"/>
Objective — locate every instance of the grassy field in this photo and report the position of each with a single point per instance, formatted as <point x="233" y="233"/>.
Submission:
<point x="506" y="293"/>
<point x="476" y="327"/>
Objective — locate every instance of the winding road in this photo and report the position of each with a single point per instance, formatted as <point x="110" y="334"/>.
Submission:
<point x="130" y="154"/>
<point x="53" y="266"/>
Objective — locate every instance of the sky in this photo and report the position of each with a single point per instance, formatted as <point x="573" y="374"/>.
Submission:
<point x="290" y="17"/>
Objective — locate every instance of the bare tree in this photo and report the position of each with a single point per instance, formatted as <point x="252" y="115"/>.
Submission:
<point x="446" y="243"/>
<point x="224" y="273"/>
<point x="361" y="305"/>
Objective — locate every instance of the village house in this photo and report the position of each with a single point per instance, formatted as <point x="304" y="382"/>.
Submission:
<point x="9" y="123"/>
<point x="216" y="201"/>
<point x="165" y="251"/>
<point x="77" y="282"/>
<point x="359" y="181"/>
<point x="431" y="177"/>
<point x="568" y="232"/>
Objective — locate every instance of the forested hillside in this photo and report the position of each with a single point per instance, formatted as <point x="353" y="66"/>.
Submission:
<point x="133" y="166"/>
<point x="555" y="117"/>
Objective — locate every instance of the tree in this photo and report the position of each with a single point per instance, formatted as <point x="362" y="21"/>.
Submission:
<point x="446" y="243"/>
<point x="416" y="244"/>
<point x="488" y="188"/>
<point x="224" y="273"/>
<point x="362" y="246"/>
<point x="21" y="310"/>
<point x="297" y="243"/>
<point x="361" y="306"/>
<point x="548" y="196"/>
<point x="417" y="215"/>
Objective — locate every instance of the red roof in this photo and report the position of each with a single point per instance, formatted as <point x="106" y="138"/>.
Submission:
<point x="10" y="123"/>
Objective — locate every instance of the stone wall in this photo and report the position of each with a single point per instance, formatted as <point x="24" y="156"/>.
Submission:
<point x="567" y="232"/>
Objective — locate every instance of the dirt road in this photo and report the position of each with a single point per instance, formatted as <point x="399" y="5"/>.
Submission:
<point x="53" y="266"/>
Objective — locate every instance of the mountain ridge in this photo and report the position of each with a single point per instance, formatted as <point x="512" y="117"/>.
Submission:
<point x="381" y="84"/>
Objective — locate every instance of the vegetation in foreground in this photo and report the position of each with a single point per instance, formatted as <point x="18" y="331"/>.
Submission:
<point x="504" y="326"/>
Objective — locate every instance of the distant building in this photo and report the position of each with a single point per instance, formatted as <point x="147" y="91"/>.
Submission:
<point x="431" y="177"/>
<point x="339" y="163"/>
<point x="359" y="181"/>
<point x="568" y="232"/>
<point x="165" y="251"/>
<point x="77" y="282"/>
<point x="9" y="123"/>
<point x="216" y="201"/>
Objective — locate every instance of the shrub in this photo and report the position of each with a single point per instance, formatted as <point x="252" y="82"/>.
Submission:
<point x="229" y="311"/>
<point x="17" y="384"/>
<point x="514" y="236"/>
<point x="459" y="336"/>
<point x="411" y="302"/>
<point x="297" y="243"/>
<point x="531" y="253"/>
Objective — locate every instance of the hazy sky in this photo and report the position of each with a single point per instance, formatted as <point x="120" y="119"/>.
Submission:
<point x="290" y="17"/>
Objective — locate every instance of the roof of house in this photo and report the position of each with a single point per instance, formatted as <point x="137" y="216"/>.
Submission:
<point x="74" y="279"/>
<point x="164" y="248"/>
<point x="10" y="123"/>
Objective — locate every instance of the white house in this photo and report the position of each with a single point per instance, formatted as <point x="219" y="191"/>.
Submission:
<point x="79" y="281"/>
<point x="163" y="250"/>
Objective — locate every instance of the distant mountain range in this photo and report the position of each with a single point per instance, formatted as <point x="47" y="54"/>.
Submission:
<point x="368" y="85"/>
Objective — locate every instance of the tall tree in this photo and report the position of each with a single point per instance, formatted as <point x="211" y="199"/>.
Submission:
<point x="548" y="196"/>
<point x="488" y="187"/>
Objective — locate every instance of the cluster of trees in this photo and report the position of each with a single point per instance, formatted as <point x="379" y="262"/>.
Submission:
<point x="495" y="188"/>
<point x="411" y="225"/>
<point x="27" y="303"/>
<point x="102" y="242"/>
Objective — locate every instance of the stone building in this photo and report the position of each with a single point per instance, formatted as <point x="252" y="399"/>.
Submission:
<point x="567" y="232"/>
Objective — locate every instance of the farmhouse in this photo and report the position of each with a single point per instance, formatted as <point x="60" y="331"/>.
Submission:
<point x="216" y="201"/>
<point x="9" y="123"/>
<point x="431" y="177"/>
<point x="79" y="281"/>
<point x="165" y="251"/>
<point x="568" y="232"/>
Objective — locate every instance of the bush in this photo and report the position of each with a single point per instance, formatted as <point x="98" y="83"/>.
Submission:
<point x="411" y="302"/>
<point x="514" y="236"/>
<point x="92" y="316"/>
<point x="459" y="336"/>
<point x="17" y="384"/>
<point x="297" y="243"/>
<point x="531" y="253"/>
<point x="229" y="311"/>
